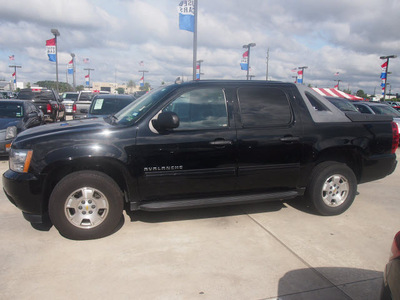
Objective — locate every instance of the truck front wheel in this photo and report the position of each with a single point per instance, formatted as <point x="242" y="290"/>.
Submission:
<point x="332" y="188"/>
<point x="86" y="205"/>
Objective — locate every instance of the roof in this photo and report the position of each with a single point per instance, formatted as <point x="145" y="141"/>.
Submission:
<point x="335" y="93"/>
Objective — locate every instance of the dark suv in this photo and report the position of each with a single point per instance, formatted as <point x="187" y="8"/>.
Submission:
<point x="47" y="101"/>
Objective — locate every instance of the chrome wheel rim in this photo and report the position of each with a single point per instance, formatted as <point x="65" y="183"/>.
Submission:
<point x="335" y="190"/>
<point x="86" y="208"/>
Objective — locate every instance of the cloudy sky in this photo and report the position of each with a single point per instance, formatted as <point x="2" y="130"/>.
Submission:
<point x="327" y="36"/>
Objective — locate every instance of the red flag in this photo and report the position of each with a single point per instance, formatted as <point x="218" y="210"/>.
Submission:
<point x="246" y="54"/>
<point x="300" y="72"/>
<point x="384" y="65"/>
<point x="13" y="74"/>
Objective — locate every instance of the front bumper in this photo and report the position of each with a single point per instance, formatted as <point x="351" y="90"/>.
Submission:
<point x="25" y="191"/>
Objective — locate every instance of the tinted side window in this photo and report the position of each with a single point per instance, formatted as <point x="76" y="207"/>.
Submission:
<point x="264" y="106"/>
<point x="200" y="109"/>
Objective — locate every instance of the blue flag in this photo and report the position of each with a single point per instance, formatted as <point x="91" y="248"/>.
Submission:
<point x="186" y="15"/>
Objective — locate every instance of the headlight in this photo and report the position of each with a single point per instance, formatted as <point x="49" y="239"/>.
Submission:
<point x="20" y="160"/>
<point x="11" y="132"/>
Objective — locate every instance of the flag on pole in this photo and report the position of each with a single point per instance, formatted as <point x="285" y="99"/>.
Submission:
<point x="336" y="86"/>
<point x="198" y="72"/>
<point x="51" y="49"/>
<point x="300" y="76"/>
<point x="71" y="67"/>
<point x="13" y="75"/>
<point x="87" y="79"/>
<point x="11" y="57"/>
<point x="141" y="63"/>
<point x="141" y="81"/>
<point x="186" y="15"/>
<point x="86" y="60"/>
<point x="384" y="65"/>
<point x="244" y="64"/>
<point x="336" y="74"/>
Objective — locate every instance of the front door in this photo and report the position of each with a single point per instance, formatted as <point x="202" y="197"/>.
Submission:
<point x="195" y="160"/>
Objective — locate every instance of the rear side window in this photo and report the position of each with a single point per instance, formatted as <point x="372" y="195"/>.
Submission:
<point x="264" y="106"/>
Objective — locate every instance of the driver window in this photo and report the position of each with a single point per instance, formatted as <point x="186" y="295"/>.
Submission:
<point x="200" y="109"/>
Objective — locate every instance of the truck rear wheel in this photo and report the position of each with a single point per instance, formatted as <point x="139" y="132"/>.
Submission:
<point x="332" y="188"/>
<point x="86" y="205"/>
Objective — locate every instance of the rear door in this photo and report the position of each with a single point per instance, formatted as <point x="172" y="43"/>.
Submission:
<point x="195" y="160"/>
<point x="269" y="139"/>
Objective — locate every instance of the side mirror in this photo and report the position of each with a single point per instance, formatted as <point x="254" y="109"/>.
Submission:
<point x="166" y="121"/>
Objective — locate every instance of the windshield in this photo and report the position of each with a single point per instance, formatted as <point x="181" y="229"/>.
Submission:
<point x="11" y="110"/>
<point x="385" y="110"/>
<point x="134" y="111"/>
<point x="71" y="96"/>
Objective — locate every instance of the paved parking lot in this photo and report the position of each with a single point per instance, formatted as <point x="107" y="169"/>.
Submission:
<point x="257" y="251"/>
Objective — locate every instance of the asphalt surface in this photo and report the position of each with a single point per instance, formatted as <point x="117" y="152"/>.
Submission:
<point x="263" y="251"/>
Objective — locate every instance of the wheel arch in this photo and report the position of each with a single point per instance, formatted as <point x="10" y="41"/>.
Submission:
<point x="350" y="156"/>
<point x="109" y="166"/>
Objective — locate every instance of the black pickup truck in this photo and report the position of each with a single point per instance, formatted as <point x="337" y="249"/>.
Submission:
<point x="47" y="101"/>
<point x="198" y="144"/>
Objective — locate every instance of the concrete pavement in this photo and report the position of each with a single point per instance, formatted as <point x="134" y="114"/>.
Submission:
<point x="262" y="251"/>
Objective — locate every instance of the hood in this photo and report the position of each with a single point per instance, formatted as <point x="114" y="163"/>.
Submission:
<point x="64" y="128"/>
<point x="7" y="122"/>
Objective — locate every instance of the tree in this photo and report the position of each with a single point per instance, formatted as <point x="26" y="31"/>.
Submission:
<point x="80" y="88"/>
<point x="146" y="87"/>
<point x="347" y="91"/>
<point x="360" y="93"/>
<point x="131" y="84"/>
<point x="62" y="86"/>
<point x="120" y="90"/>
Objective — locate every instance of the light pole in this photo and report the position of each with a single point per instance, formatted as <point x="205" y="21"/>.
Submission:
<point x="248" y="46"/>
<point x="73" y="71"/>
<point x="338" y="80"/>
<point x="143" y="71"/>
<point x="199" y="67"/>
<point x="15" y="75"/>
<point x="89" y="69"/>
<point x="56" y="34"/>
<point x="387" y="67"/>
<point x="302" y="73"/>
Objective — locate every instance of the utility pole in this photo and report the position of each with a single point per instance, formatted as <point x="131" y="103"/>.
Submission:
<point x="266" y="76"/>
<point x="15" y="72"/>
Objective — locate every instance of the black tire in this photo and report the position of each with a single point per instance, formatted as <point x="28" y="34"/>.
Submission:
<point x="332" y="188"/>
<point x="86" y="205"/>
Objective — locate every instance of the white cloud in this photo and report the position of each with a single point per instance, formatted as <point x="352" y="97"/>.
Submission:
<point x="342" y="36"/>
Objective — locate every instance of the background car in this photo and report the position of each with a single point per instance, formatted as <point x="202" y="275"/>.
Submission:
<point x="46" y="100"/>
<point x="391" y="283"/>
<point x="82" y="104"/>
<point x="378" y="109"/>
<point x="342" y="104"/>
<point x="104" y="105"/>
<point x="16" y="116"/>
<point x="68" y="99"/>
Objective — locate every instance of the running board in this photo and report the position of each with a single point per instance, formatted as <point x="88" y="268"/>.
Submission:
<point x="207" y="202"/>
